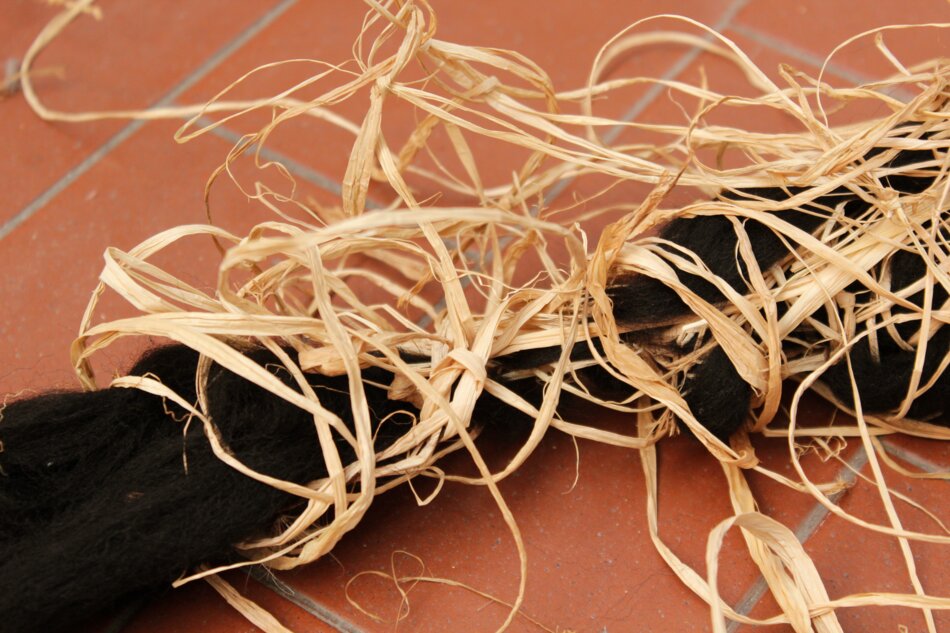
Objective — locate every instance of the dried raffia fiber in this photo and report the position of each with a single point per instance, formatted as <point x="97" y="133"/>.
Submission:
<point x="821" y="255"/>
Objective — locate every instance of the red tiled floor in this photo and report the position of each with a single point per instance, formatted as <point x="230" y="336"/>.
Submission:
<point x="526" y="26"/>
<point x="119" y="202"/>
<point x="842" y="551"/>
<point x="591" y="566"/>
<point x="590" y="562"/>
<point x="937" y="453"/>
<point x="123" y="61"/>
<point x="817" y="27"/>
<point x="864" y="561"/>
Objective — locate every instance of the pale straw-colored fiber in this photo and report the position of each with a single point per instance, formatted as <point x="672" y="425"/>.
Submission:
<point x="352" y="287"/>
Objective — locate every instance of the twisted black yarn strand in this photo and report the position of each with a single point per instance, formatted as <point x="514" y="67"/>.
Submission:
<point x="96" y="505"/>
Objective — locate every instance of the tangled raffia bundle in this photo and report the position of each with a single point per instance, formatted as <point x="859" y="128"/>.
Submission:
<point x="436" y="298"/>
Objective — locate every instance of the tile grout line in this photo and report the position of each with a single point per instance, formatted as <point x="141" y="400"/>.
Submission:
<point x="784" y="46"/>
<point x="913" y="458"/>
<point x="288" y="591"/>
<point x="635" y="110"/>
<point x="302" y="600"/>
<point x="806" y="528"/>
<point x="654" y="91"/>
<point x="131" y="128"/>
<point x="297" y="168"/>
<point x="813" y="520"/>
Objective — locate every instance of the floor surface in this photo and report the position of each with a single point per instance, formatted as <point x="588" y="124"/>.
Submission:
<point x="71" y="190"/>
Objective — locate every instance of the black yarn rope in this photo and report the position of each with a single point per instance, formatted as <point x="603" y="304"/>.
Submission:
<point x="96" y="505"/>
<point x="716" y="394"/>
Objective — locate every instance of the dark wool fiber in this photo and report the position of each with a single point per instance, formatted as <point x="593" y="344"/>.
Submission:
<point x="97" y="506"/>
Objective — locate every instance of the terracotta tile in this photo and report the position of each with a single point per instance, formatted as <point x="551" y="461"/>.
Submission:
<point x="589" y="193"/>
<point x="53" y="260"/>
<point x="905" y="448"/>
<point x="798" y="511"/>
<point x="766" y="608"/>
<point x="855" y="560"/>
<point x="842" y="551"/>
<point x="591" y="564"/>
<point x="532" y="29"/>
<point x="135" y="55"/>
<point x="820" y="26"/>
<point x="537" y="29"/>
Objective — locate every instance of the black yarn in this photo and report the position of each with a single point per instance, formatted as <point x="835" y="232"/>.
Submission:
<point x="883" y="381"/>
<point x="717" y="395"/>
<point x="83" y="531"/>
<point x="96" y="505"/>
<point x="58" y="446"/>
<point x="641" y="300"/>
<point x="715" y="392"/>
<point x="883" y="376"/>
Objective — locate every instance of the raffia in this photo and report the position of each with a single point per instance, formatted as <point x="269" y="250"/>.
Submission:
<point x="447" y="275"/>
